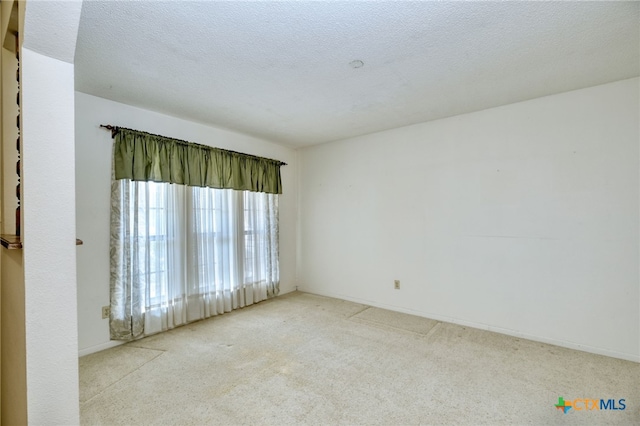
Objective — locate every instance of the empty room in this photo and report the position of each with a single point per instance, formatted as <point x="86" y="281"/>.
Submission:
<point x="310" y="212"/>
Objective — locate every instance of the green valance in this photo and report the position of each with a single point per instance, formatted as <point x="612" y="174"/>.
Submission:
<point x="142" y="156"/>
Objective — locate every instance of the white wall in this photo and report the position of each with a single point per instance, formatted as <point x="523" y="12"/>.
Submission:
<point x="49" y="240"/>
<point x="48" y="212"/>
<point x="93" y="174"/>
<point x="521" y="219"/>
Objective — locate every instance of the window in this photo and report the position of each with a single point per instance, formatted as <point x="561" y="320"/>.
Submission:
<point x="149" y="226"/>
<point x="182" y="250"/>
<point x="192" y="252"/>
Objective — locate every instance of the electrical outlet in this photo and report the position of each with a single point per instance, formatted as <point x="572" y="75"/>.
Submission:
<point x="396" y="284"/>
<point x="105" y="312"/>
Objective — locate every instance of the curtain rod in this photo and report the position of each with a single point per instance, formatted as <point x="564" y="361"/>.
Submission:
<point x="116" y="129"/>
<point x="113" y="129"/>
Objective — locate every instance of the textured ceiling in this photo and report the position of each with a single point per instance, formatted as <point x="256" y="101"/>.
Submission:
<point x="51" y="28"/>
<point x="281" y="70"/>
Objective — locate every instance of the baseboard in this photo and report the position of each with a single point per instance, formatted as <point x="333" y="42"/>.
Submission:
<point x="100" y="347"/>
<point x="287" y="291"/>
<point x="480" y="326"/>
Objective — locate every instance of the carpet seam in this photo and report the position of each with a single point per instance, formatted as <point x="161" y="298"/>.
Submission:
<point x="148" y="349"/>
<point x="359" y="312"/>
<point x="432" y="331"/>
<point x="122" y="378"/>
<point x="373" y="322"/>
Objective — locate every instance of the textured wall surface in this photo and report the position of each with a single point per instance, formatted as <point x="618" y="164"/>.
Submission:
<point x="521" y="219"/>
<point x="281" y="70"/>
<point x="93" y="177"/>
<point x="49" y="212"/>
<point x="49" y="240"/>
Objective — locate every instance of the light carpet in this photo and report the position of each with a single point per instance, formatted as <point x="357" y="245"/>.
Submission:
<point x="305" y="359"/>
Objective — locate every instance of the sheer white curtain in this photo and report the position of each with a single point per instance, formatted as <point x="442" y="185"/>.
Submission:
<point x="180" y="254"/>
<point x="233" y="252"/>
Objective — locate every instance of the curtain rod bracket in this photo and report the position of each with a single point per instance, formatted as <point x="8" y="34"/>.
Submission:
<point x="114" y="129"/>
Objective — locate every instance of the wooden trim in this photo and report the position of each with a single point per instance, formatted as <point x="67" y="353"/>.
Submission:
<point x="13" y="242"/>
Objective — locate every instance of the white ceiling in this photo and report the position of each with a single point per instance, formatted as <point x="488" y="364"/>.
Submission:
<point x="280" y="70"/>
<point x="51" y="28"/>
